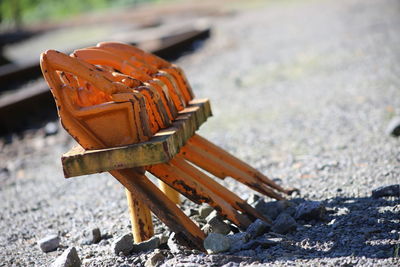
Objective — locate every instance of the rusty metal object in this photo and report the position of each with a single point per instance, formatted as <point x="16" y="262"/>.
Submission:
<point x="115" y="94"/>
<point x="131" y="61"/>
<point x="77" y="120"/>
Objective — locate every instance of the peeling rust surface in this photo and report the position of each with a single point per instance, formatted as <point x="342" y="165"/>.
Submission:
<point x="191" y="193"/>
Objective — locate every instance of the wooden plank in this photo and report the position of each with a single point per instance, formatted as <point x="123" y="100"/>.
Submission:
<point x="160" y="148"/>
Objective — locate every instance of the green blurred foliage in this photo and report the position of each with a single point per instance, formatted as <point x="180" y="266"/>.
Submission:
<point x="26" y="11"/>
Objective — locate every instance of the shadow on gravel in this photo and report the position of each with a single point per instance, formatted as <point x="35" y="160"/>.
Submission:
<point x="359" y="227"/>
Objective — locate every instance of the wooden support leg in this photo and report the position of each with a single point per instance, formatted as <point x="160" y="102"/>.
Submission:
<point x="221" y="169"/>
<point x="142" y="224"/>
<point x="186" y="230"/>
<point x="169" y="192"/>
<point x="186" y="185"/>
<point x="213" y="149"/>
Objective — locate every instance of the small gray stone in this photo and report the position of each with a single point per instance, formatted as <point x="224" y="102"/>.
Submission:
<point x="238" y="240"/>
<point x="155" y="259"/>
<point x="310" y="210"/>
<point x="387" y="191"/>
<point x="271" y="209"/>
<point x="205" y="210"/>
<point x="257" y="228"/>
<point x="393" y="128"/>
<point x="49" y="243"/>
<point x="239" y="237"/>
<point x="123" y="244"/>
<point x="216" y="225"/>
<point x="69" y="258"/>
<point x="216" y="243"/>
<point x="284" y="224"/>
<point x="150" y="244"/>
<point x="93" y="236"/>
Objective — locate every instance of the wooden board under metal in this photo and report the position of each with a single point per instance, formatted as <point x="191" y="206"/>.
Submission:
<point x="162" y="147"/>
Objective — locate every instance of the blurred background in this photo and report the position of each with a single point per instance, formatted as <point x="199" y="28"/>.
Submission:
<point x="306" y="91"/>
<point x="17" y="14"/>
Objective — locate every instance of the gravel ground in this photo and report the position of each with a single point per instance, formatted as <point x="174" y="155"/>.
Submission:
<point x="302" y="90"/>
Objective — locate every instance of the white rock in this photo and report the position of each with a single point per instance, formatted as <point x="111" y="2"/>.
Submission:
<point x="123" y="244"/>
<point x="69" y="258"/>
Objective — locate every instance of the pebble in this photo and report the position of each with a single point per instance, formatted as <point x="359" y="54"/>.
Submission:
<point x="49" y="243"/>
<point x="93" y="236"/>
<point x="216" y="225"/>
<point x="284" y="224"/>
<point x="238" y="240"/>
<point x="123" y="244"/>
<point x="257" y="228"/>
<point x="69" y="258"/>
<point x="150" y="244"/>
<point x="155" y="259"/>
<point x="387" y="191"/>
<point x="271" y="209"/>
<point x="393" y="127"/>
<point x="216" y="243"/>
<point x="310" y="210"/>
<point x="205" y="210"/>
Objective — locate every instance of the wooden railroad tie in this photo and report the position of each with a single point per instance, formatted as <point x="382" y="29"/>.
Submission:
<point x="132" y="112"/>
